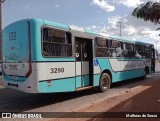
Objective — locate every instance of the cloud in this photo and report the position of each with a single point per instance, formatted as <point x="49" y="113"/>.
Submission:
<point x="130" y="3"/>
<point x="131" y="27"/>
<point x="151" y="34"/>
<point x="78" y="28"/>
<point x="130" y="30"/>
<point x="31" y="8"/>
<point x="113" y="21"/>
<point x="103" y="4"/>
<point x="156" y="0"/>
<point x="27" y="6"/>
<point x="154" y="36"/>
<point x="109" y="5"/>
<point x="56" y="6"/>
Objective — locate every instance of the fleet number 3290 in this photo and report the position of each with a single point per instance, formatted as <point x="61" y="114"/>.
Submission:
<point x="57" y="70"/>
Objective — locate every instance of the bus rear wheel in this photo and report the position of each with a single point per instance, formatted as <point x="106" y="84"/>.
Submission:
<point x="105" y="82"/>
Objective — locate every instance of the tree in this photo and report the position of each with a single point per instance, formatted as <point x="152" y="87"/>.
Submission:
<point x="148" y="12"/>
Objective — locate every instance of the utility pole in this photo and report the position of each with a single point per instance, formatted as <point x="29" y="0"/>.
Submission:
<point x="1" y="1"/>
<point x="120" y="33"/>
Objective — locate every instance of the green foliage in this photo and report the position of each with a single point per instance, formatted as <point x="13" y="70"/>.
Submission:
<point x="148" y="12"/>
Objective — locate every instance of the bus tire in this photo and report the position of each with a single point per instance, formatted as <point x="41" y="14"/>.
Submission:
<point x="105" y="82"/>
<point x="145" y="74"/>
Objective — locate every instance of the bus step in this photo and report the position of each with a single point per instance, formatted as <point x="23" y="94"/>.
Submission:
<point x="84" y="88"/>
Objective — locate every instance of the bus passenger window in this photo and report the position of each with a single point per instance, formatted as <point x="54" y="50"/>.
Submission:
<point x="139" y="51"/>
<point x="116" y="49"/>
<point x="129" y="50"/>
<point x="56" y="42"/>
<point x="101" y="47"/>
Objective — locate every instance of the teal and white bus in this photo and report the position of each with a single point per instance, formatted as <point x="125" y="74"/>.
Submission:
<point x="40" y="56"/>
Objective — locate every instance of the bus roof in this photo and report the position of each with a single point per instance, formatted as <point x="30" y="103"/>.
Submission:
<point x="124" y="39"/>
<point x="88" y="31"/>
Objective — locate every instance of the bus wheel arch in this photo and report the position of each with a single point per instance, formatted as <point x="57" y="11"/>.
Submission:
<point x="105" y="81"/>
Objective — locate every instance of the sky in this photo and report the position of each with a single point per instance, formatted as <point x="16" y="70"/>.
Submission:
<point x="100" y="15"/>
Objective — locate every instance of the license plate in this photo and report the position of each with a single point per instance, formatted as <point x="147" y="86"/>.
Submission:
<point x="12" y="67"/>
<point x="13" y="85"/>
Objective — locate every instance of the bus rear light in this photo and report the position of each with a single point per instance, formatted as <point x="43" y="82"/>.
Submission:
<point x="48" y="81"/>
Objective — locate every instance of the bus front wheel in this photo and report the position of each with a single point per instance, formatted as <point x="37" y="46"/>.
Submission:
<point x="105" y="82"/>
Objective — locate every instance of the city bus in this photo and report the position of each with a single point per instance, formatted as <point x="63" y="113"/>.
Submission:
<point x="41" y="56"/>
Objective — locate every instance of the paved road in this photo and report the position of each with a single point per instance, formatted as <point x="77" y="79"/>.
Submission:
<point x="15" y="101"/>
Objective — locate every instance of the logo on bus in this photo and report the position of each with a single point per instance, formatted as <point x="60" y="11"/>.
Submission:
<point x="12" y="36"/>
<point x="96" y="63"/>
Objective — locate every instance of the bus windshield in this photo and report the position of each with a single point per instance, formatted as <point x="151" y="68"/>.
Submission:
<point x="16" y="49"/>
<point x="15" y="45"/>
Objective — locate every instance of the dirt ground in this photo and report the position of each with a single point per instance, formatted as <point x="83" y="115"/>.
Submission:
<point x="144" y="98"/>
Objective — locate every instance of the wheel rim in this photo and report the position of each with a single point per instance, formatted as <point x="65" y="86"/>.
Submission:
<point x="105" y="82"/>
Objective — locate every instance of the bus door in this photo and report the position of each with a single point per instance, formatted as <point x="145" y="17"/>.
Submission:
<point x="84" y="62"/>
<point x="153" y="61"/>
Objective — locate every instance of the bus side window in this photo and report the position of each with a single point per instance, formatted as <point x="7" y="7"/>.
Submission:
<point x="116" y="49"/>
<point x="56" y="43"/>
<point x="45" y="53"/>
<point x="129" y="50"/>
<point x="139" y="51"/>
<point x="101" y="47"/>
<point x="45" y="35"/>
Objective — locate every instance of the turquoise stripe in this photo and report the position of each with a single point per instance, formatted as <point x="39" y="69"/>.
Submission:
<point x="91" y="32"/>
<point x="78" y="82"/>
<point x="96" y="80"/>
<point x="85" y="80"/>
<point x="62" y="85"/>
<point x="121" y="39"/>
<point x="55" y="24"/>
<point x="82" y="82"/>
<point x="119" y="76"/>
<point x="14" y="78"/>
<point x="130" y="59"/>
<point x="127" y="40"/>
<point x="40" y="58"/>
